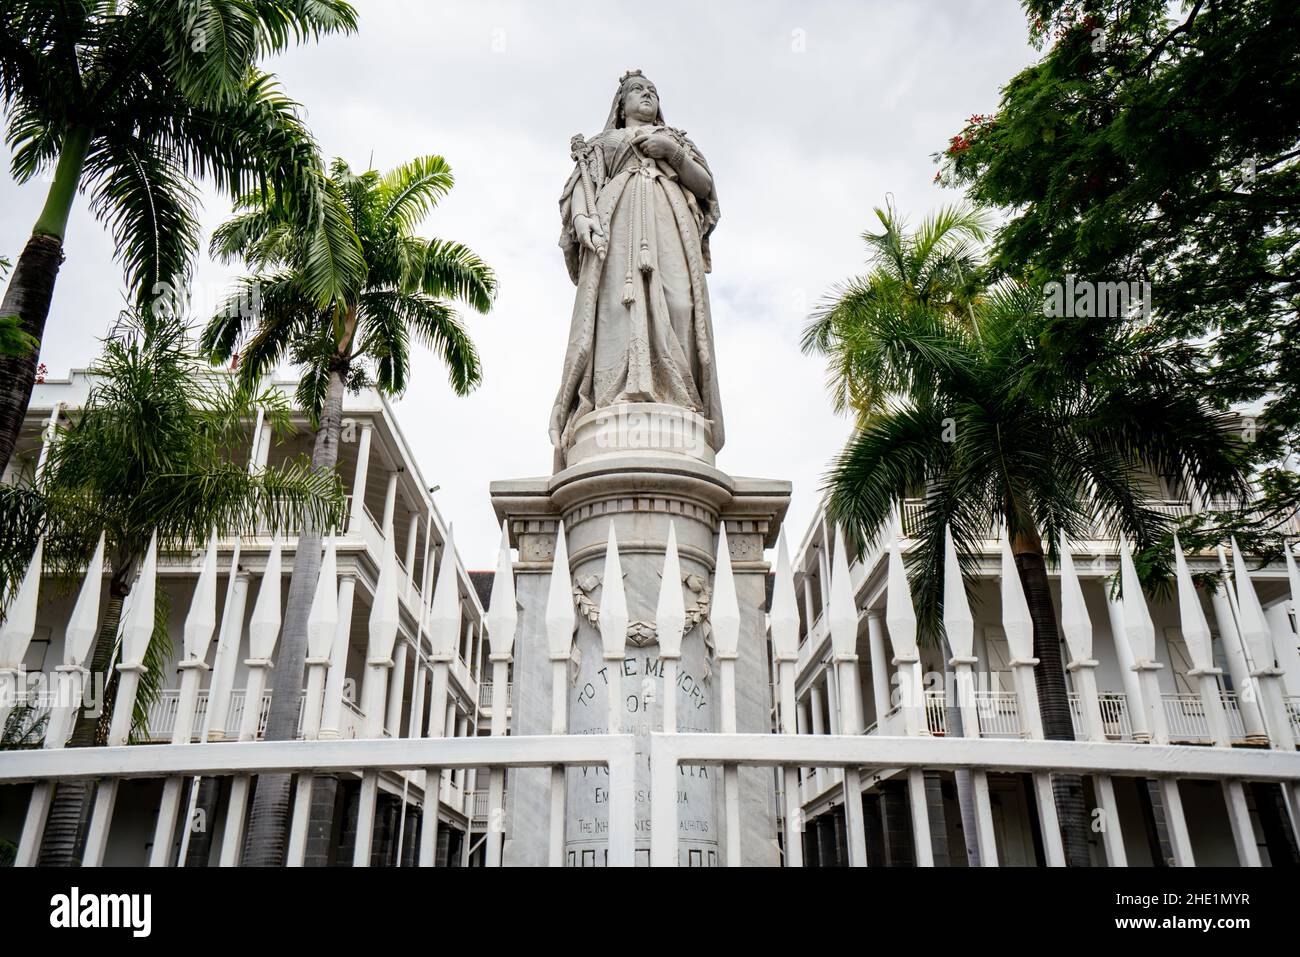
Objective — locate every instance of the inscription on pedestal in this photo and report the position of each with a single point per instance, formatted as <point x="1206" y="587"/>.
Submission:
<point x="641" y="687"/>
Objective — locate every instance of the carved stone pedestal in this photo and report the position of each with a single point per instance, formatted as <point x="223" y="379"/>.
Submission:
<point x="642" y="467"/>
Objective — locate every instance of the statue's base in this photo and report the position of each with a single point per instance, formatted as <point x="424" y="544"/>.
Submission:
<point x="640" y="476"/>
<point x="641" y="430"/>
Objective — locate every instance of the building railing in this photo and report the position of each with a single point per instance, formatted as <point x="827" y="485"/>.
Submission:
<point x="162" y="716"/>
<point x="914" y="508"/>
<point x="999" y="716"/>
<point x="1115" y="721"/>
<point x="1185" y="715"/>
<point x="997" y="712"/>
<point x="477" y="801"/>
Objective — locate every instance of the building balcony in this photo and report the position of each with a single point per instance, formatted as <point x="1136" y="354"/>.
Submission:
<point x="485" y="697"/>
<point x="162" y="717"/>
<point x="999" y="717"/>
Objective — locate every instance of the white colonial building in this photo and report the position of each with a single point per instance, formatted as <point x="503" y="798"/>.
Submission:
<point x="387" y="489"/>
<point x="1235" y="686"/>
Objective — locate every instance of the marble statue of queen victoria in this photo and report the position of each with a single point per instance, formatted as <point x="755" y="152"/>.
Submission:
<point x="636" y="216"/>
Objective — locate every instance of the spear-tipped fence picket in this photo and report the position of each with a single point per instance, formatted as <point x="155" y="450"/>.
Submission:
<point x="421" y="758"/>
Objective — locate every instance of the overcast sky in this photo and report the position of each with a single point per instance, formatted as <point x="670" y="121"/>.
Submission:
<point x="809" y="114"/>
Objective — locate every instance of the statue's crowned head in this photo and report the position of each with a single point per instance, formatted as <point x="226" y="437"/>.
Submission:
<point x="637" y="98"/>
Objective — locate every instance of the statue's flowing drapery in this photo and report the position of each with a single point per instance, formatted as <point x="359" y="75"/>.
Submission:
<point x="641" y="329"/>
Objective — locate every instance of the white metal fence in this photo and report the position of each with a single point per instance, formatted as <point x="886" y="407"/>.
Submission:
<point x="666" y="752"/>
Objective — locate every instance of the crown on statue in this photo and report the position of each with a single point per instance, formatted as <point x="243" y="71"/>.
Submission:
<point x="628" y="75"/>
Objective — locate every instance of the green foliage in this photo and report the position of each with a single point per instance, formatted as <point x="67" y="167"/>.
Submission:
<point x="347" y="295"/>
<point x="24" y="728"/>
<point x="983" y="406"/>
<point x="1145" y="148"/>
<point x="14" y="341"/>
<point x="156" y="447"/>
<point x="22" y="516"/>
<point x="167" y="92"/>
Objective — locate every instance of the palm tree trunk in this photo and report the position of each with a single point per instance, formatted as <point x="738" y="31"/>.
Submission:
<point x="1053" y="699"/>
<point x="31" y="287"/>
<point x="61" y="842"/>
<point x="268" y="825"/>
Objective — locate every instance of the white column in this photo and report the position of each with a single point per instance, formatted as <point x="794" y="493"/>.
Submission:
<point x="331" y="722"/>
<point x="396" y="691"/>
<point x="832" y="699"/>
<point x="815" y="703"/>
<point x="879" y="663"/>
<point x="412" y="539"/>
<point x="359" y="478"/>
<point x="47" y="439"/>
<point x="390" y="501"/>
<point x="824" y="575"/>
<point x="462" y="731"/>
<point x="1285" y="647"/>
<point x="263" y="447"/>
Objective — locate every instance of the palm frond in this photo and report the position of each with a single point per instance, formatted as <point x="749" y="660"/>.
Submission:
<point x="450" y="270"/>
<point x="408" y="192"/>
<point x="151" y="208"/>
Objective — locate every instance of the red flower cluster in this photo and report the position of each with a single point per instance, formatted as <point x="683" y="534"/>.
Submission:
<point x="41" y="373"/>
<point x="965" y="139"/>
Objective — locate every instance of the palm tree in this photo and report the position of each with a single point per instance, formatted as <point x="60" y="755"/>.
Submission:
<point x="974" y="399"/>
<point x="389" y="286"/>
<point x="130" y="100"/>
<point x="154" y="449"/>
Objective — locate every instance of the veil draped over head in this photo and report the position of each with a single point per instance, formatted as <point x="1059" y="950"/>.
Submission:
<point x="615" y="120"/>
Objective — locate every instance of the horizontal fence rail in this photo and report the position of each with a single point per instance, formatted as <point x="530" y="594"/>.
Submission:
<point x="851" y="753"/>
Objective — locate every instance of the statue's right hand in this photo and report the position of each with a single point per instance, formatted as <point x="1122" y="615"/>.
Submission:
<point x="589" y="232"/>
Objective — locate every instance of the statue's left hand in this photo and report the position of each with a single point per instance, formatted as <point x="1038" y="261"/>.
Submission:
<point x="655" y="145"/>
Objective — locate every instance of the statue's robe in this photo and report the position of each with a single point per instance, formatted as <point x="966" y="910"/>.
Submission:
<point x="637" y="334"/>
